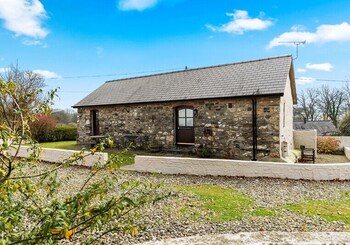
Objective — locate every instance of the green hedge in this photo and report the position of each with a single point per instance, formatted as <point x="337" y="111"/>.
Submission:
<point x="64" y="133"/>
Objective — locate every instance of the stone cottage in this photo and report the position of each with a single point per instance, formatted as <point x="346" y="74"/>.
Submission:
<point x="241" y="110"/>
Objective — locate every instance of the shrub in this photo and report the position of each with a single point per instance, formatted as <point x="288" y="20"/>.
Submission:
<point x="108" y="142"/>
<point x="203" y="151"/>
<point x="36" y="206"/>
<point x="42" y="127"/>
<point x="327" y="145"/>
<point x="63" y="133"/>
<point x="344" y="125"/>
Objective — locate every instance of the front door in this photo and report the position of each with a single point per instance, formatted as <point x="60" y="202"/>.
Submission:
<point x="184" y="125"/>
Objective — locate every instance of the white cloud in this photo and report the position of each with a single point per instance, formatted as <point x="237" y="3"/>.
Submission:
<point x="320" y="67"/>
<point x="24" y="17"/>
<point x="32" y="42"/>
<point x="48" y="74"/>
<point x="301" y="70"/>
<point x="139" y="5"/>
<point x="323" y="34"/>
<point x="241" y="22"/>
<point x="298" y="28"/>
<point x="305" y="80"/>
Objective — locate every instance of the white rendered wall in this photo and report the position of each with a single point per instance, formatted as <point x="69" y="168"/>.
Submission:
<point x="307" y="138"/>
<point x="347" y="152"/>
<point x="224" y="167"/>
<point x="286" y="128"/>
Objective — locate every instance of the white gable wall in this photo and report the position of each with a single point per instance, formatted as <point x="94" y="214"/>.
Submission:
<point x="286" y="120"/>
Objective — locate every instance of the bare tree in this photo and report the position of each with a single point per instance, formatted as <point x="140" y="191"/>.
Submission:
<point x="298" y="113"/>
<point x="347" y="96"/>
<point x="27" y="83"/>
<point x="331" y="103"/>
<point x="308" y="104"/>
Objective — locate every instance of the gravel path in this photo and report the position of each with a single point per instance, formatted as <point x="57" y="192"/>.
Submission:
<point x="254" y="238"/>
<point x="163" y="220"/>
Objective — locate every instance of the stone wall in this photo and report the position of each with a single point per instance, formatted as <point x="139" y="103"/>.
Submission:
<point x="224" y="125"/>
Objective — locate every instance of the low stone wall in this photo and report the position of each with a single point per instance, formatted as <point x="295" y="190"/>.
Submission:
<point x="347" y="152"/>
<point x="58" y="155"/>
<point x="223" y="167"/>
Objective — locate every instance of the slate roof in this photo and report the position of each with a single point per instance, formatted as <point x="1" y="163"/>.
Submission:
<point x="263" y="77"/>
<point x="322" y="127"/>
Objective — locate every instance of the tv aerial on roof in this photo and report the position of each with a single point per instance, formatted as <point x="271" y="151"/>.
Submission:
<point x="296" y="43"/>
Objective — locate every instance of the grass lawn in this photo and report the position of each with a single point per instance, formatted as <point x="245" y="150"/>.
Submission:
<point x="65" y="145"/>
<point x="330" y="210"/>
<point x="124" y="158"/>
<point x="225" y="204"/>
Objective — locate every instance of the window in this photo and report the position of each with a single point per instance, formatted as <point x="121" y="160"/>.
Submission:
<point x="185" y="117"/>
<point x="95" y="127"/>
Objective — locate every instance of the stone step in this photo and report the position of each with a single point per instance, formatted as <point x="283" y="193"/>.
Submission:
<point x="180" y="149"/>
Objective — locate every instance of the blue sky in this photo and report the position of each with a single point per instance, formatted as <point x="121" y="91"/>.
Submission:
<point x="78" y="45"/>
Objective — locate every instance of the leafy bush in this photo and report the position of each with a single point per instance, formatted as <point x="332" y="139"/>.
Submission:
<point x="35" y="207"/>
<point x="42" y="127"/>
<point x="45" y="129"/>
<point x="108" y="142"/>
<point x="327" y="145"/>
<point x="203" y="151"/>
<point x="64" y="133"/>
<point x="344" y="125"/>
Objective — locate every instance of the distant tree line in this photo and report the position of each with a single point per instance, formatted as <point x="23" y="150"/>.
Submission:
<point x="323" y="103"/>
<point x="26" y="89"/>
<point x="65" y="116"/>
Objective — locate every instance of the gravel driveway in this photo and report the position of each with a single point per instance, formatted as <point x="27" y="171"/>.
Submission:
<point x="163" y="220"/>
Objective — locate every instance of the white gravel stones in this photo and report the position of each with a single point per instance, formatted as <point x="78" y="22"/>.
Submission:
<point x="165" y="220"/>
<point x="247" y="238"/>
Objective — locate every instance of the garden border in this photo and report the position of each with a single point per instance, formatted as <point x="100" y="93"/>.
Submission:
<point x="238" y="168"/>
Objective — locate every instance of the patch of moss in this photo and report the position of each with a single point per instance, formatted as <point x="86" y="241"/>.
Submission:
<point x="263" y="212"/>
<point x="226" y="204"/>
<point x="194" y="214"/>
<point x="330" y="210"/>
